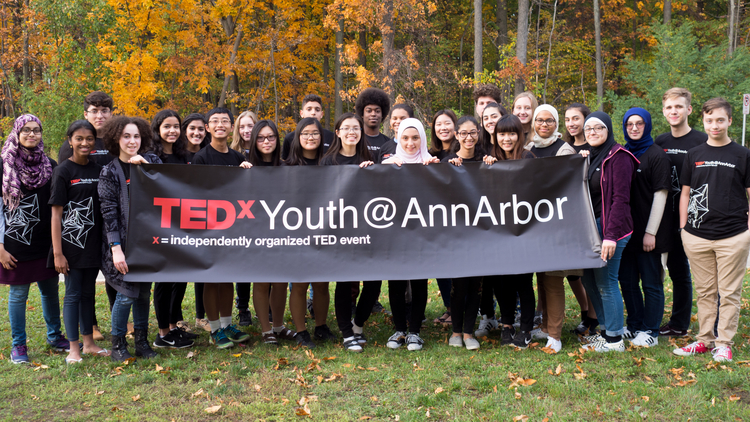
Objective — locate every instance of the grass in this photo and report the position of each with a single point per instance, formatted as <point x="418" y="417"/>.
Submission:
<point x="260" y="382"/>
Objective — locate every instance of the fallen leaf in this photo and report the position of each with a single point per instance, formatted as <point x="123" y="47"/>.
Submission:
<point x="439" y="390"/>
<point x="645" y="398"/>
<point x="237" y="355"/>
<point x="257" y="387"/>
<point x="522" y="418"/>
<point x="99" y="393"/>
<point x="548" y="350"/>
<point x="115" y="409"/>
<point x="518" y="395"/>
<point x="190" y="355"/>
<point x="136" y="397"/>
<point x="303" y="411"/>
<point x="367" y="418"/>
<point x="734" y="397"/>
<point x="212" y="409"/>
<point x="330" y="358"/>
<point x="159" y="368"/>
<point x="198" y="393"/>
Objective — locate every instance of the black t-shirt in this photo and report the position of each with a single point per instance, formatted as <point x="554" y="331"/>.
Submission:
<point x="376" y="143"/>
<point x="287" y="146"/>
<point x="676" y="149"/>
<point x="387" y="150"/>
<point x="74" y="187"/>
<point x="99" y="154"/>
<point x="126" y="171"/>
<point x="210" y="156"/>
<point x="549" y="151"/>
<point x="174" y="159"/>
<point x="265" y="164"/>
<point x="580" y="148"/>
<point x="27" y="228"/>
<point x="476" y="157"/>
<point x="718" y="177"/>
<point x="595" y="189"/>
<point x="307" y="161"/>
<point x="653" y="174"/>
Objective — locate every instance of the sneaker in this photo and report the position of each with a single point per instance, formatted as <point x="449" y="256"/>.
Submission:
<point x="361" y="339"/>
<point x="19" y="354"/>
<point x="538" y="316"/>
<point x="506" y="337"/>
<point x="691" y="349"/>
<point x="604" y="346"/>
<point x="594" y="338"/>
<point x="219" y="338"/>
<point x="235" y="335"/>
<point x="581" y="329"/>
<point x="667" y="331"/>
<point x="203" y="323"/>
<point x="284" y="334"/>
<point x="396" y="340"/>
<point x="485" y="326"/>
<point x="378" y="308"/>
<point x="522" y="339"/>
<point x="722" y="354"/>
<point x="414" y="342"/>
<point x="245" y="317"/>
<point x="60" y="344"/>
<point x="351" y="344"/>
<point x="553" y="344"/>
<point x="323" y="333"/>
<point x="304" y="340"/>
<point x="185" y="333"/>
<point x="644" y="339"/>
<point x="627" y="333"/>
<point x="456" y="341"/>
<point x="538" y="334"/>
<point x="471" y="343"/>
<point x="172" y="340"/>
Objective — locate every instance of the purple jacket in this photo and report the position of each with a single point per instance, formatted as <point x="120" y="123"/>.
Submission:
<point x="618" y="171"/>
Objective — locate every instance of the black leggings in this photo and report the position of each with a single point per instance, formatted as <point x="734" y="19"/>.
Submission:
<point x="396" y="294"/>
<point x="243" y="296"/>
<point x="507" y="289"/>
<point x="465" y="294"/>
<point x="342" y="302"/>
<point x="200" y="311"/>
<point x="486" y="307"/>
<point x="168" y="303"/>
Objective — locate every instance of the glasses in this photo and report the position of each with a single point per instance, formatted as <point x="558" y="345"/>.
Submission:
<point x="314" y="135"/>
<point x="27" y="130"/>
<point x="217" y="121"/>
<point x="99" y="112"/>
<point x="464" y="134"/>
<point x="262" y="139"/>
<point x="597" y="129"/>
<point x="350" y="129"/>
<point x="548" y="122"/>
<point x="639" y="125"/>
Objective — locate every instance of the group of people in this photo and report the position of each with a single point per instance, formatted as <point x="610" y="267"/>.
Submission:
<point x="649" y="197"/>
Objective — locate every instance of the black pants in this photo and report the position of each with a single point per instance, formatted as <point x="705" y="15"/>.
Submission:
<point x="342" y="303"/>
<point x="465" y="294"/>
<point x="200" y="311"/>
<point x="396" y="294"/>
<point x="111" y="295"/>
<point x="486" y="305"/>
<point x="507" y="289"/>
<point x="243" y="296"/>
<point x="168" y="303"/>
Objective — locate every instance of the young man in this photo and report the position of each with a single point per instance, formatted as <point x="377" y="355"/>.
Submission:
<point x="312" y="106"/>
<point x="483" y="95"/>
<point x="676" y="143"/>
<point x="217" y="297"/>
<point x="97" y="109"/>
<point x="373" y="105"/>
<point x="714" y="221"/>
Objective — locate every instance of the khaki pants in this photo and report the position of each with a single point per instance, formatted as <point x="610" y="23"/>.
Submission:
<point x="718" y="266"/>
<point x="554" y="304"/>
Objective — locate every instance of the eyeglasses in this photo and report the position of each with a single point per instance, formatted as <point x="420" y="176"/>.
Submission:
<point x="27" y="130"/>
<point x="548" y="122"/>
<point x="350" y="129"/>
<point x="99" y="112"/>
<point x="314" y="135"/>
<point x="597" y="129"/>
<point x="639" y="125"/>
<point x="217" y="121"/>
<point x="464" y="134"/>
<point x="262" y="139"/>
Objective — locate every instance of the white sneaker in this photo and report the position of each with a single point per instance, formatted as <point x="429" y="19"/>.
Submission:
<point x="414" y="342"/>
<point x="485" y="326"/>
<point x="627" y="334"/>
<point x="594" y="338"/>
<point x="396" y="340"/>
<point x="604" y="347"/>
<point x="644" y="339"/>
<point x="538" y="334"/>
<point x="553" y="344"/>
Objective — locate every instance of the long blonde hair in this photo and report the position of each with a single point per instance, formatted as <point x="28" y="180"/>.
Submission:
<point x="236" y="138"/>
<point x="534" y="104"/>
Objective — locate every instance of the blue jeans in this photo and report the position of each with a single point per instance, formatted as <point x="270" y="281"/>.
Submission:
<point x="78" y="306"/>
<point x="604" y="290"/>
<point x="121" y="310"/>
<point x="17" y="298"/>
<point x="642" y="270"/>
<point x="682" y="286"/>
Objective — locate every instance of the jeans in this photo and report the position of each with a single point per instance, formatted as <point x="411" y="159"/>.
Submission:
<point x="50" y="309"/>
<point x="78" y="306"/>
<point x="121" y="310"/>
<point x="604" y="290"/>
<point x="682" y="286"/>
<point x="642" y="290"/>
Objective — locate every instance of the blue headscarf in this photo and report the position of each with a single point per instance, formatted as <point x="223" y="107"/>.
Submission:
<point x="638" y="147"/>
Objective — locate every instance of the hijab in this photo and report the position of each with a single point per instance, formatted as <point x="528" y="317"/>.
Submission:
<point x="540" y="142"/>
<point x="22" y="166"/>
<point x="598" y="154"/>
<point x="422" y="154"/>
<point x="638" y="147"/>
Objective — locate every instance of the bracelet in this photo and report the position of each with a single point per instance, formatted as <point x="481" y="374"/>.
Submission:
<point x="111" y="244"/>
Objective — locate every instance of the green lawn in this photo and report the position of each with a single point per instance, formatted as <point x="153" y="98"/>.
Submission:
<point x="260" y="382"/>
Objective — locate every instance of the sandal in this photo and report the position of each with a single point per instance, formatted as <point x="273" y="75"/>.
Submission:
<point x="103" y="352"/>
<point x="351" y="344"/>
<point x="444" y="319"/>
<point x="71" y="360"/>
<point x="270" y="338"/>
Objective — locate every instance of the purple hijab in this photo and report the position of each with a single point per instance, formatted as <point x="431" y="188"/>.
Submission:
<point x="22" y="166"/>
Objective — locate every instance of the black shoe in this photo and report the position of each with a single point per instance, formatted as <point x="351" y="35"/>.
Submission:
<point x="186" y="334"/>
<point x="304" y="340"/>
<point x="120" y="349"/>
<point x="378" y="308"/>
<point x="506" y="337"/>
<point x="245" y="317"/>
<point x="142" y="348"/>
<point x="522" y="339"/>
<point x="172" y="340"/>
<point x="323" y="333"/>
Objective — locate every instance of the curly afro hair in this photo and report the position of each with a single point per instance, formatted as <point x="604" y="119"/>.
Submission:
<point x="487" y="90"/>
<point x="374" y="96"/>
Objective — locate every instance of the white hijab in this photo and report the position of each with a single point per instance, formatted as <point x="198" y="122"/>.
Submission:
<point x="420" y="155"/>
<point x="540" y="142"/>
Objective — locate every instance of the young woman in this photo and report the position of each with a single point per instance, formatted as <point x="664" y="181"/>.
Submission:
<point x="491" y="114"/>
<point x="127" y="139"/>
<point x="399" y="113"/>
<point x="307" y="148"/>
<point x="350" y="147"/>
<point x="25" y="234"/>
<point x="469" y="148"/>
<point x="170" y="146"/>
<point x="242" y="132"/>
<point x="77" y="236"/>
<point x="194" y="128"/>
<point x="611" y="171"/>
<point x="523" y="107"/>
<point x="575" y="115"/>
<point x="510" y="146"/>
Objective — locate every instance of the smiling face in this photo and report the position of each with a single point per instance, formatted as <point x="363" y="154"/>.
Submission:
<point x="596" y="133"/>
<point x="312" y="109"/>
<point x="30" y="135"/>
<point x="545" y="124"/>
<point x="716" y="123"/>
<point x="373" y="115"/>
<point x="489" y="119"/>
<point x="444" y="128"/>
<point x="349" y="132"/>
<point x="169" y="130"/>
<point x="522" y="110"/>
<point x="309" y="138"/>
<point x="574" y="122"/>
<point x="196" y="132"/>
<point x="246" y="127"/>
<point x="482" y="103"/>
<point x="467" y="141"/>
<point x="82" y="142"/>
<point x="397" y="116"/>
<point x="635" y="126"/>
<point x="220" y="126"/>
<point x="507" y="141"/>
<point x="266" y="142"/>
<point x="410" y="141"/>
<point x="676" y="110"/>
<point x="97" y="116"/>
<point x="130" y="142"/>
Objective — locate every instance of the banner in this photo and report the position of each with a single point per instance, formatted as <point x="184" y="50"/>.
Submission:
<point x="342" y="223"/>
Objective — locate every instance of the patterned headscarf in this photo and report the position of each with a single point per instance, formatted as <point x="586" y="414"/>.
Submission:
<point x="22" y="166"/>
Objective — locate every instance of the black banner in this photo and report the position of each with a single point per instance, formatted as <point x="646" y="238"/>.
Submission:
<point x="342" y="223"/>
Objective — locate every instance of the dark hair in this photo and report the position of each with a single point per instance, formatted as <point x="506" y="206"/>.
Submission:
<point x="485" y="138"/>
<point x="189" y="119"/>
<point x="584" y="110"/>
<point x="112" y="132"/>
<point x="78" y="125"/>
<point x="509" y="123"/>
<point x="312" y="98"/>
<point x="373" y="96"/>
<point x="97" y="99"/>
<point x="487" y="90"/>
<point x="455" y="146"/>
<point x="716" y="103"/>
<point x="403" y="106"/>
<point x="437" y="144"/>
<point x="179" y="149"/>
<point x="296" y="157"/>
<point x="253" y="156"/>
<point x="220" y="110"/>
<point x="363" y="149"/>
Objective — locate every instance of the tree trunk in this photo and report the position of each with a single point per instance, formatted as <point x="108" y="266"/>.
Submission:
<point x="388" y="62"/>
<point x="339" y="78"/>
<point x="477" y="39"/>
<point x="599" y="75"/>
<point x="326" y="73"/>
<point x="522" y="39"/>
<point x="667" y="12"/>
<point x="501" y="20"/>
<point x="549" y="53"/>
<point x="275" y="90"/>
<point x="363" y="49"/>
<point x="228" y="76"/>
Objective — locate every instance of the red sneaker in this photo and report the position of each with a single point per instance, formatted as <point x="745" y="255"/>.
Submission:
<point x="691" y="349"/>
